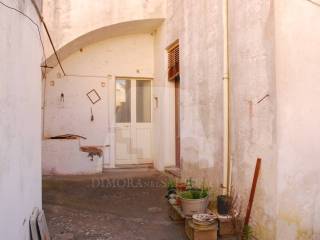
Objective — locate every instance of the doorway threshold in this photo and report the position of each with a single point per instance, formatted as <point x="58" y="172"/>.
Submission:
<point x="146" y="166"/>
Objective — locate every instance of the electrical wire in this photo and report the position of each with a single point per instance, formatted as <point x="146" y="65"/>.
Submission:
<point x="39" y="31"/>
<point x="49" y="36"/>
<point x="34" y="23"/>
<point x="313" y="2"/>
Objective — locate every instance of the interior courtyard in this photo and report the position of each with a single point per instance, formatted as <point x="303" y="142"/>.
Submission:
<point x="119" y="116"/>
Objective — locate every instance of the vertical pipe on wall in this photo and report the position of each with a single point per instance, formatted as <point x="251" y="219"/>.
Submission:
<point x="44" y="88"/>
<point x="226" y="104"/>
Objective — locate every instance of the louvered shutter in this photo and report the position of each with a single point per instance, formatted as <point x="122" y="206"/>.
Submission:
<point x="173" y="63"/>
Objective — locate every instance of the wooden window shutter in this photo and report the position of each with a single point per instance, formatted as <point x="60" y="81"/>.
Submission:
<point x="173" y="63"/>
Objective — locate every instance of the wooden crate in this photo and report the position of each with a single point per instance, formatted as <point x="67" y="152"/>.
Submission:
<point x="175" y="213"/>
<point x="226" y="227"/>
<point x="197" y="232"/>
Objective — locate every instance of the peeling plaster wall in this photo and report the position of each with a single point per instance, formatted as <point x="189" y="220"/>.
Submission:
<point x="70" y="19"/>
<point x="280" y="58"/>
<point x="20" y="121"/>
<point x="198" y="26"/>
<point x="126" y="56"/>
<point x="251" y="28"/>
<point x="298" y="118"/>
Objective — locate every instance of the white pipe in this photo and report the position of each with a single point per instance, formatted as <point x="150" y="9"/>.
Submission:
<point x="226" y="104"/>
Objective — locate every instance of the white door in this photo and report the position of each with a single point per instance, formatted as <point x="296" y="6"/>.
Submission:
<point x="133" y="121"/>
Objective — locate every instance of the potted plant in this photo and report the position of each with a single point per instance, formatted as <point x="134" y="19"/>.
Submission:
<point x="171" y="187"/>
<point x="194" y="200"/>
<point x="223" y="204"/>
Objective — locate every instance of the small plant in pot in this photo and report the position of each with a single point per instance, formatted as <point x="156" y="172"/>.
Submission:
<point x="224" y="204"/>
<point x="171" y="185"/>
<point x="171" y="188"/>
<point x="194" y="200"/>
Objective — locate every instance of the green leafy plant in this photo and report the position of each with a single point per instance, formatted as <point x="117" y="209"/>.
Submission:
<point x="247" y="233"/>
<point x="171" y="184"/>
<point x="194" y="193"/>
<point x="190" y="183"/>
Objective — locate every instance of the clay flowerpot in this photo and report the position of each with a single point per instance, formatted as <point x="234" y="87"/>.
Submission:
<point x="178" y="201"/>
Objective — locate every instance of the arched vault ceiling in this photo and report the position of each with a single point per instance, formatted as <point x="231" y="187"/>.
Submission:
<point x="125" y="28"/>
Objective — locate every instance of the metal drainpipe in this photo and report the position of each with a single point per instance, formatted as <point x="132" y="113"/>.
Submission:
<point x="226" y="104"/>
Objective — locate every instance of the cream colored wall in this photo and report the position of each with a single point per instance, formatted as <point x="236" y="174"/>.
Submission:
<point x="198" y="26"/>
<point x="130" y="55"/>
<point x="20" y="121"/>
<point x="298" y="118"/>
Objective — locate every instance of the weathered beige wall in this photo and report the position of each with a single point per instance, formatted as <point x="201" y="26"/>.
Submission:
<point x="298" y="118"/>
<point x="198" y="26"/>
<point x="251" y="28"/>
<point x="20" y="121"/>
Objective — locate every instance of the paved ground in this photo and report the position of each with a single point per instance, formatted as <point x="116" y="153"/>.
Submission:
<point x="117" y="205"/>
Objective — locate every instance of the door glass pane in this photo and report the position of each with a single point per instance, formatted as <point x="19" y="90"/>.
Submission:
<point x="123" y="101"/>
<point x="143" y="101"/>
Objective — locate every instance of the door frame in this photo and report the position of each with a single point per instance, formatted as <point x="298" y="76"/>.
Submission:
<point x="133" y="112"/>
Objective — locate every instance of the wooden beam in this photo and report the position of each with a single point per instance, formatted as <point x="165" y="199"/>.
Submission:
<point x="253" y="190"/>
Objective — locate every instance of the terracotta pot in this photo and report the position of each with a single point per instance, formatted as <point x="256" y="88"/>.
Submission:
<point x="178" y="201"/>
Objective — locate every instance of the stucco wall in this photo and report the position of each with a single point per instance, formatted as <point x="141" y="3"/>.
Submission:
<point x="280" y="58"/>
<point x="298" y="118"/>
<point x="62" y="157"/>
<point x="198" y="26"/>
<point x="20" y="122"/>
<point x="251" y="28"/>
<point x="129" y="56"/>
